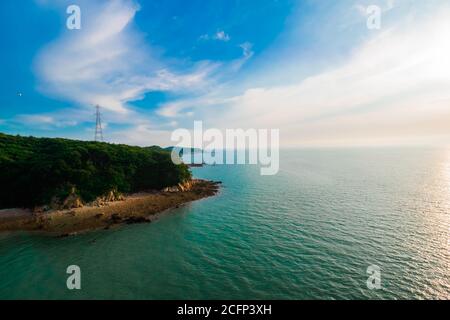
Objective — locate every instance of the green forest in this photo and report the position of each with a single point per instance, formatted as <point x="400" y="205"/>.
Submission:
<point x="33" y="171"/>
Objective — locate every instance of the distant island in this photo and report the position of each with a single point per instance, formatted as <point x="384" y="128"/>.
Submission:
<point x="181" y="150"/>
<point x="67" y="186"/>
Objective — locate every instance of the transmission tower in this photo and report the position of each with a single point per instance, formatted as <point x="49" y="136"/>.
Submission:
<point x="98" y="125"/>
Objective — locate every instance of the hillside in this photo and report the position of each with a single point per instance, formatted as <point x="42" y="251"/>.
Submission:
<point x="36" y="171"/>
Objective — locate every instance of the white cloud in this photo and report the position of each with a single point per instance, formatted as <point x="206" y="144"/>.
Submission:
<point x="185" y="108"/>
<point x="219" y="36"/>
<point x="106" y="62"/>
<point x="393" y="88"/>
<point x="142" y="135"/>
<point x="46" y="122"/>
<point x="181" y="108"/>
<point x="247" y="54"/>
<point x="385" y="6"/>
<point x="247" y="49"/>
<point x="222" y="36"/>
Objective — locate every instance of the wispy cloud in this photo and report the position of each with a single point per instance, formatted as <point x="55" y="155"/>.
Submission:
<point x="385" y="6"/>
<point x="214" y="97"/>
<point x="247" y="54"/>
<point x="143" y="135"/>
<point x="222" y="36"/>
<point x="392" y="89"/>
<point x="219" y="35"/>
<point x="44" y="122"/>
<point x="107" y="63"/>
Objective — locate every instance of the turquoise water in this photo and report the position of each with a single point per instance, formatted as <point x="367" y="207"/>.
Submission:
<point x="309" y="232"/>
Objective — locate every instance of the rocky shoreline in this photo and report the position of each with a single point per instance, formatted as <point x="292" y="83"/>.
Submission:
<point x="143" y="207"/>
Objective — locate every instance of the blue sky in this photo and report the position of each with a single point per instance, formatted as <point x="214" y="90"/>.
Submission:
<point x="310" y="68"/>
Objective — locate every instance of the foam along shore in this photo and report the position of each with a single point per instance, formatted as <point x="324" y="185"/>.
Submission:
<point x="137" y="208"/>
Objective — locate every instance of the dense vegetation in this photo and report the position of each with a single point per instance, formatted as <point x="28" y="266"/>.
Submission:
<point x="33" y="171"/>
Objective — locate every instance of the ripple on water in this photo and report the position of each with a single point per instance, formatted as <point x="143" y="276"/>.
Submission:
<point x="308" y="233"/>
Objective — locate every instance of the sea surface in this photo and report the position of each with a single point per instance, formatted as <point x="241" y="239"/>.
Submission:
<point x="309" y="232"/>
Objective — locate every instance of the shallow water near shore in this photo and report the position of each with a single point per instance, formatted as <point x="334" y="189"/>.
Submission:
<point x="309" y="232"/>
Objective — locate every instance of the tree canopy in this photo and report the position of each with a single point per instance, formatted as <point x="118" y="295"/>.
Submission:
<point x="35" y="170"/>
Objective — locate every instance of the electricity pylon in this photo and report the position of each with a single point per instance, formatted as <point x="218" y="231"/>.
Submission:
<point x="98" y="125"/>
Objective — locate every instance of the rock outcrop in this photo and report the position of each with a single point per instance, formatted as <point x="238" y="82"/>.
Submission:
<point x="181" y="187"/>
<point x="111" y="196"/>
<point x="72" y="201"/>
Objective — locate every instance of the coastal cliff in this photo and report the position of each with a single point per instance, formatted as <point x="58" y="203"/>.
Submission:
<point x="142" y="207"/>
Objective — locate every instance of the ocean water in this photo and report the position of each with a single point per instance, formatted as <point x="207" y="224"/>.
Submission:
<point x="309" y="232"/>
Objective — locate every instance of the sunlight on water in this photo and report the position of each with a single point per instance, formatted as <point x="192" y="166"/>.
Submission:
<point x="447" y="209"/>
<point x="447" y="173"/>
